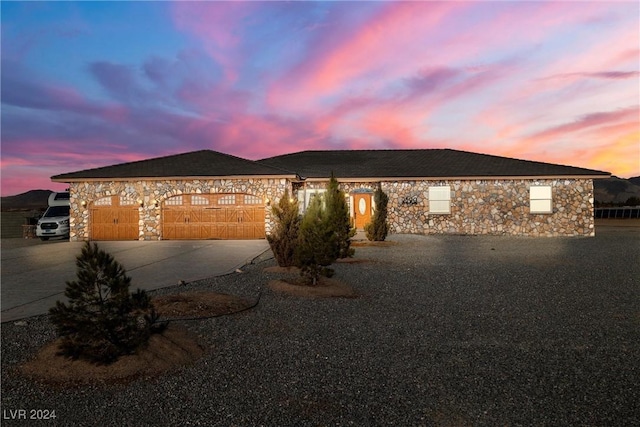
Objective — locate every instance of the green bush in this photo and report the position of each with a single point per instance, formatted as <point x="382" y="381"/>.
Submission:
<point x="317" y="247"/>
<point x="378" y="228"/>
<point x="284" y="237"/>
<point x="102" y="320"/>
<point x="338" y="218"/>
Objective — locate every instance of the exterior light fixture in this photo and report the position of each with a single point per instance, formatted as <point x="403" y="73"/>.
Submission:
<point x="83" y="203"/>
<point x="140" y="202"/>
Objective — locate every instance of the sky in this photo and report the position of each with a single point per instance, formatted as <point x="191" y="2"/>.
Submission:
<point x="90" y="84"/>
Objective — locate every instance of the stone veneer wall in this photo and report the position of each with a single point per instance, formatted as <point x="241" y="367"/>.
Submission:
<point x="496" y="207"/>
<point x="159" y="190"/>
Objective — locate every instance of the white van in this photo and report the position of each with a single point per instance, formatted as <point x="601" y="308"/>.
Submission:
<point x="55" y="221"/>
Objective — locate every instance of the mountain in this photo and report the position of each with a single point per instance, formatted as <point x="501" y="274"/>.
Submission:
<point x="616" y="190"/>
<point x="34" y="199"/>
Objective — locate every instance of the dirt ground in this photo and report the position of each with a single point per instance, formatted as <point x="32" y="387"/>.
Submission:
<point x="326" y="287"/>
<point x="174" y="347"/>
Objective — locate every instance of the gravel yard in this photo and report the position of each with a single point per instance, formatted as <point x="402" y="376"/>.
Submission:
<point x="447" y="330"/>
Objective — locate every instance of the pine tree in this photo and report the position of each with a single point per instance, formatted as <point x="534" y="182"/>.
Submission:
<point x="102" y="320"/>
<point x="317" y="248"/>
<point x="284" y="237"/>
<point x="338" y="217"/>
<point x="378" y="228"/>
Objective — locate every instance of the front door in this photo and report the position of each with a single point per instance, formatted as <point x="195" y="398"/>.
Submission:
<point x="361" y="209"/>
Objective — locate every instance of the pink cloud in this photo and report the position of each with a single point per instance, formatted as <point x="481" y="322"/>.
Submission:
<point x="220" y="27"/>
<point x="359" y="56"/>
<point x="52" y="157"/>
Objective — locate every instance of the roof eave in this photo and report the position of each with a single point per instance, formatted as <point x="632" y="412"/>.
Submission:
<point x="169" y="178"/>
<point x="457" y="178"/>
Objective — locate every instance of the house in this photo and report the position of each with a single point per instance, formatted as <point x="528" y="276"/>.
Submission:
<point x="211" y="195"/>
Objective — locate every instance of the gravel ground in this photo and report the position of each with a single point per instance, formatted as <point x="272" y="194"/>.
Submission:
<point x="450" y="330"/>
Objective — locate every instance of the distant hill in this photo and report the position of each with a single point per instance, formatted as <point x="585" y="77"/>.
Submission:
<point x="34" y="199"/>
<point x="616" y="190"/>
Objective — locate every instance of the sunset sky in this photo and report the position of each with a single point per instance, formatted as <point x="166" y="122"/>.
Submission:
<point x="88" y="84"/>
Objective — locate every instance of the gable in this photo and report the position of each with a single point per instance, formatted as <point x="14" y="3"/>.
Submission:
<point x="203" y="163"/>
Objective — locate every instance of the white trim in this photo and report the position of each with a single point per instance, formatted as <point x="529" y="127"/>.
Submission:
<point x="540" y="199"/>
<point x="440" y="199"/>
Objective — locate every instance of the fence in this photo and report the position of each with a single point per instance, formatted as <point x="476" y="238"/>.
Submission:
<point x="625" y="212"/>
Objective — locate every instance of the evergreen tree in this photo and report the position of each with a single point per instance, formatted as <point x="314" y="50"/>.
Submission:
<point x="338" y="218"/>
<point x="102" y="320"/>
<point x="317" y="248"/>
<point x="378" y="228"/>
<point x="284" y="237"/>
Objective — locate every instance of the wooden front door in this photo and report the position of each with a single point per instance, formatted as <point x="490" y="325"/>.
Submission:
<point x="213" y="216"/>
<point x="361" y="209"/>
<point x="113" y="218"/>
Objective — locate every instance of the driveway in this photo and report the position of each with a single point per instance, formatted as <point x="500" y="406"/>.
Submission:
<point x="34" y="273"/>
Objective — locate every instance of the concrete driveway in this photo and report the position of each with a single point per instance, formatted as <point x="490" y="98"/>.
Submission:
<point x="34" y="273"/>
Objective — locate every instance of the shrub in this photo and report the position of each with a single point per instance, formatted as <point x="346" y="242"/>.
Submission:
<point x="317" y="248"/>
<point x="102" y="320"/>
<point x="284" y="237"/>
<point x="338" y="218"/>
<point x="378" y="228"/>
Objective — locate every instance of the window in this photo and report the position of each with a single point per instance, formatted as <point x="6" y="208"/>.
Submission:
<point x="229" y="199"/>
<point x="174" y="201"/>
<point x="250" y="199"/>
<point x="540" y="199"/>
<point x="125" y="201"/>
<point x="439" y="200"/>
<point x="105" y="201"/>
<point x="199" y="200"/>
<point x="305" y="196"/>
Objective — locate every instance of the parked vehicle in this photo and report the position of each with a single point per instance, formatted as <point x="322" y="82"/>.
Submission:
<point x="55" y="221"/>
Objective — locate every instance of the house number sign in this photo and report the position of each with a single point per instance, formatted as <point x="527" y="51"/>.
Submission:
<point x="409" y="201"/>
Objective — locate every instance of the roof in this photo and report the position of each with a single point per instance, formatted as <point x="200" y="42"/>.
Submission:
<point x="203" y="163"/>
<point x="425" y="163"/>
<point x="345" y="164"/>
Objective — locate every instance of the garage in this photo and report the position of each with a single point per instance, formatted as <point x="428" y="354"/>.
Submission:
<point x="114" y="218"/>
<point x="213" y="216"/>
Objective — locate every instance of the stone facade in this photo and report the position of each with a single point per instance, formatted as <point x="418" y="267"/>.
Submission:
<point x="495" y="207"/>
<point x="151" y="194"/>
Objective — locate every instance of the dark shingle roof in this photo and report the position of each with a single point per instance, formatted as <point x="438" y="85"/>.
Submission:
<point x="204" y="163"/>
<point x="427" y="163"/>
<point x="345" y="164"/>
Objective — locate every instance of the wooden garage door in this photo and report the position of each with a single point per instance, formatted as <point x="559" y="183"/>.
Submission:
<point x="114" y="218"/>
<point x="213" y="216"/>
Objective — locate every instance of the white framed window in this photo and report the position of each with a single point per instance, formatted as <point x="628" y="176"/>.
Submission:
<point x="105" y="201"/>
<point x="250" y="199"/>
<point x="197" y="200"/>
<point x="228" y="199"/>
<point x="305" y="197"/>
<point x="440" y="200"/>
<point x="540" y="199"/>
<point x="125" y="201"/>
<point x="174" y="201"/>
